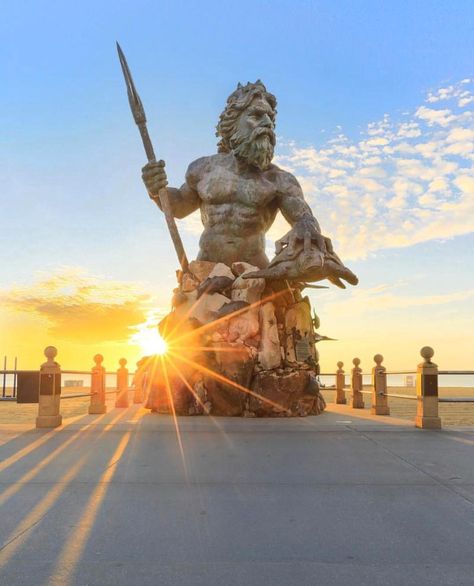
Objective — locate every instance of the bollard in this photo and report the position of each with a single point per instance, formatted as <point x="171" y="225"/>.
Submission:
<point x="49" y="399"/>
<point x="379" y="388"/>
<point x="97" y="405"/>
<point x="138" y="383"/>
<point x="122" y="384"/>
<point x="356" y="385"/>
<point x="340" y="384"/>
<point x="427" y="392"/>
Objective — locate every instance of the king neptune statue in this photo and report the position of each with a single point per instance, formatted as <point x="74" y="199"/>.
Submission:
<point x="248" y="312"/>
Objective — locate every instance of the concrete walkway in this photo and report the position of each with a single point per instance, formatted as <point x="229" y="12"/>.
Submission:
<point x="343" y="498"/>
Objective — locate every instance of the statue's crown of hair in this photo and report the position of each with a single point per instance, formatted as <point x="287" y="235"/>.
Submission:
<point x="243" y="89"/>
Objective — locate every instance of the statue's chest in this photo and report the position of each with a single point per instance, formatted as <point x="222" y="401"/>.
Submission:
<point x="225" y="186"/>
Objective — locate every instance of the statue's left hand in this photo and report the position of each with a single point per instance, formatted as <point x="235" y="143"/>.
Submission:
<point x="304" y="230"/>
<point x="335" y="271"/>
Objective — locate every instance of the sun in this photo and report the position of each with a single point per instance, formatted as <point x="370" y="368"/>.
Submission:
<point x="150" y="341"/>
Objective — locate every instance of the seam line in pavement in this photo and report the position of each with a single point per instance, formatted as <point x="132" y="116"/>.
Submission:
<point x="445" y="485"/>
<point x="22" y="532"/>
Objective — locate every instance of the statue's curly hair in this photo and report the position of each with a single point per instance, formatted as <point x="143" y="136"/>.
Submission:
<point x="237" y="102"/>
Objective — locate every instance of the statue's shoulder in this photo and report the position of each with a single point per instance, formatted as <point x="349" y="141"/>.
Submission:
<point x="283" y="178"/>
<point x="202" y="165"/>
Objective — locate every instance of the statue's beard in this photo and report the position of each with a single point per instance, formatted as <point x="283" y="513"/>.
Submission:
<point x="256" y="149"/>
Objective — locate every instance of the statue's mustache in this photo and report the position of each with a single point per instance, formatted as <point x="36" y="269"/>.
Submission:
<point x="263" y="131"/>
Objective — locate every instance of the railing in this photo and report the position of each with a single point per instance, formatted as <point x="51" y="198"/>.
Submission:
<point x="456" y="399"/>
<point x="427" y="398"/>
<point x="80" y="395"/>
<point x="9" y="382"/>
<point x="44" y="387"/>
<point x="49" y="396"/>
<point x="5" y="372"/>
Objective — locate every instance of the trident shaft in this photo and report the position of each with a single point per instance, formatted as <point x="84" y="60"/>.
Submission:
<point x="140" y="120"/>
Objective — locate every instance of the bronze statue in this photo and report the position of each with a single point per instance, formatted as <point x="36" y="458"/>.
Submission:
<point x="241" y="338"/>
<point x="239" y="192"/>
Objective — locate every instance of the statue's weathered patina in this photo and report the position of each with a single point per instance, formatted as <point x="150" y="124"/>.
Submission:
<point x="239" y="192"/>
<point x="240" y="329"/>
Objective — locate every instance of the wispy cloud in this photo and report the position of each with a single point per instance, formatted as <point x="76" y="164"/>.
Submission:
<point x="385" y="298"/>
<point x="403" y="182"/>
<point x="81" y="307"/>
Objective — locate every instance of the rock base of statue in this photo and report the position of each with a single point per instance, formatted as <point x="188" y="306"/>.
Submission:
<point x="237" y="347"/>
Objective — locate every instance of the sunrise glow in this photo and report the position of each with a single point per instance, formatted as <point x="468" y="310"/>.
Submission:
<point x="150" y="341"/>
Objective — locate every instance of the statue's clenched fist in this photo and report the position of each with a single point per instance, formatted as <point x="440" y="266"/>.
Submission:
<point x="154" y="177"/>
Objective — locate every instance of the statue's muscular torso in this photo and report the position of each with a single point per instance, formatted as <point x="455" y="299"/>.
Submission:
<point x="238" y="205"/>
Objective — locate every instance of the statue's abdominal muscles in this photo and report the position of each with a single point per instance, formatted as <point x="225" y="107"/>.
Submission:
<point x="236" y="214"/>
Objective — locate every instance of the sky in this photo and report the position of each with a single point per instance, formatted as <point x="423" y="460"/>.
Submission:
<point x="375" y="118"/>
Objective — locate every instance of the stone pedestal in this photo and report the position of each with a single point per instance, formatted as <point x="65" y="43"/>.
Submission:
<point x="97" y="405"/>
<point x="269" y="355"/>
<point x="379" y="388"/>
<point x="227" y="390"/>
<point x="357" y="385"/>
<point x="48" y="412"/>
<point x="49" y="401"/>
<point x="285" y="393"/>
<point x="237" y="347"/>
<point x="427" y="392"/>
<point x="122" y="385"/>
<point x="340" y="385"/>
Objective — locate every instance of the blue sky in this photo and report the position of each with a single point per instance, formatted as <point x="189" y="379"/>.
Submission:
<point x="70" y="155"/>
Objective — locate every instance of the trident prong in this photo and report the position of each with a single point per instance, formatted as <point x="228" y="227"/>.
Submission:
<point x="133" y="97"/>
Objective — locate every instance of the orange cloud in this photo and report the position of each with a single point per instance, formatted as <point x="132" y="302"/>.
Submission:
<point x="81" y="307"/>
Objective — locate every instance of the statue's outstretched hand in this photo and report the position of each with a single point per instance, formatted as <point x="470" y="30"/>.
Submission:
<point x="333" y="268"/>
<point x="304" y="230"/>
<point x="335" y="271"/>
<point x="154" y="177"/>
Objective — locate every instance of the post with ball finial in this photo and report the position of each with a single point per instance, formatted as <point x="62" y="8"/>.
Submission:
<point x="427" y="392"/>
<point x="49" y="400"/>
<point x="379" y="388"/>
<point x="97" y="405"/>
<point x="356" y="385"/>
<point x="122" y="385"/>
<point x="340" y="384"/>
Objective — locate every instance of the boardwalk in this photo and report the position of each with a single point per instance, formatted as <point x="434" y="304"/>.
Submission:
<point x="337" y="499"/>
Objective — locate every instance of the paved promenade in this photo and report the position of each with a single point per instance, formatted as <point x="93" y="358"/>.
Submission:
<point x="338" y="499"/>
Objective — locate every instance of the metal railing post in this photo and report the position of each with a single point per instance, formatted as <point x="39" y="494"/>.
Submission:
<point x="379" y="388"/>
<point x="122" y="384"/>
<point x="49" y="399"/>
<point x="427" y="392"/>
<point x="357" y="385"/>
<point x="97" y="405"/>
<point x="4" y="376"/>
<point x="15" y="377"/>
<point x="340" y="384"/>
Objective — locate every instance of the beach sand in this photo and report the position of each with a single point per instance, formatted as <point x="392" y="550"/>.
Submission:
<point x="459" y="414"/>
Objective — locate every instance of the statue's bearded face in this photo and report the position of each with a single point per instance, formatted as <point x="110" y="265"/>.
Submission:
<point x="254" y="137"/>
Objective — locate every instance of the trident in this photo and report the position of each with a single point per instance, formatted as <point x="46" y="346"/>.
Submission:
<point x="162" y="198"/>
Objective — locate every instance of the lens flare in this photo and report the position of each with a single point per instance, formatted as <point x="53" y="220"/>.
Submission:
<point x="150" y="341"/>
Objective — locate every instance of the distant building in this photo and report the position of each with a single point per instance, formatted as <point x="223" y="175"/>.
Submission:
<point x="410" y="380"/>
